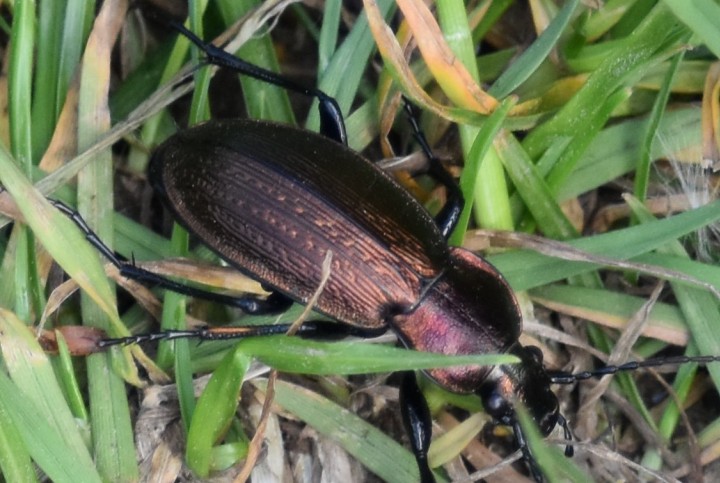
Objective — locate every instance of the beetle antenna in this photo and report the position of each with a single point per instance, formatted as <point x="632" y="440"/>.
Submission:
<point x="569" y="378"/>
<point x="331" y="118"/>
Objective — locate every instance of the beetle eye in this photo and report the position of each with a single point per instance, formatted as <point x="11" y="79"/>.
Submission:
<point x="535" y="353"/>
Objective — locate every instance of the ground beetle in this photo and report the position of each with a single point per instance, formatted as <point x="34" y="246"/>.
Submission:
<point x="272" y="199"/>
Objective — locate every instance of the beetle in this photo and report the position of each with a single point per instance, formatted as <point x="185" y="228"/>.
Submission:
<point x="272" y="199"/>
<point x="274" y="218"/>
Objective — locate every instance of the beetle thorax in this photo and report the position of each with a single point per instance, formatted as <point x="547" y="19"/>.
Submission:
<point x="469" y="309"/>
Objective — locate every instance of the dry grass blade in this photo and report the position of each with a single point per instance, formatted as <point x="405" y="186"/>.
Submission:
<point x="256" y="442"/>
<point x="457" y="83"/>
<point x="621" y="353"/>
<point x="563" y="251"/>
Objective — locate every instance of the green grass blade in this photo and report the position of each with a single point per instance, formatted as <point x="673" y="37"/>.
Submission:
<point x="525" y="270"/>
<point x="56" y="232"/>
<point x="262" y="100"/>
<point x="642" y="175"/>
<point x="48" y="427"/>
<point x="215" y="410"/>
<point x="612" y="309"/>
<point x="20" y="95"/>
<point x="532" y="188"/>
<point x="478" y="152"/>
<point x="46" y="107"/>
<point x="114" y="448"/>
<point x="613" y="151"/>
<point x="701" y="308"/>
<point x="15" y="462"/>
<point x="329" y="33"/>
<point x="701" y="16"/>
<point x="528" y="62"/>
<point x="296" y="355"/>
<point x="342" y="77"/>
<point x="491" y="197"/>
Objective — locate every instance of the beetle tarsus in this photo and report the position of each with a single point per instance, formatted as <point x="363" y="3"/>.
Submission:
<point x="90" y="235"/>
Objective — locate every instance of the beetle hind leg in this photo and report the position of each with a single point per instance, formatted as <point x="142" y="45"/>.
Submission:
<point x="275" y="303"/>
<point x="317" y="330"/>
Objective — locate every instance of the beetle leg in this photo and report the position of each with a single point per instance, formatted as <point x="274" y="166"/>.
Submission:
<point x="527" y="456"/>
<point x="332" y="123"/>
<point x="324" y="329"/>
<point x="273" y="304"/>
<point x="320" y="329"/>
<point x="418" y="423"/>
<point x="202" y="335"/>
<point x="449" y="215"/>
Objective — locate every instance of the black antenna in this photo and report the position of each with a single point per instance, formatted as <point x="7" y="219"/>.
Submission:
<point x="569" y="378"/>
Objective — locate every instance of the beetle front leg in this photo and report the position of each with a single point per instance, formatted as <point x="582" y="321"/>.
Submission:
<point x="527" y="455"/>
<point x="418" y="423"/>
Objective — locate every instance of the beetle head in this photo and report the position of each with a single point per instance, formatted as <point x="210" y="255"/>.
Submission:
<point x="526" y="382"/>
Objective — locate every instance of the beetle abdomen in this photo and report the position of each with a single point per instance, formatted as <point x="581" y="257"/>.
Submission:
<point x="272" y="200"/>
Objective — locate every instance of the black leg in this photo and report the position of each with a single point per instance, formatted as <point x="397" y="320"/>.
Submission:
<point x="527" y="456"/>
<point x="449" y="215"/>
<point x="275" y="303"/>
<point x="332" y="123"/>
<point x="319" y="329"/>
<point x="418" y="423"/>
